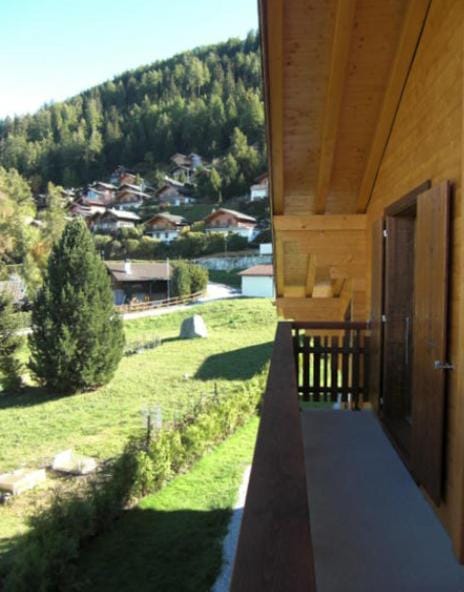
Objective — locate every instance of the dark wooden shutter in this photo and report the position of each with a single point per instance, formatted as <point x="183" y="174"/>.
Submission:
<point x="377" y="271"/>
<point x="429" y="342"/>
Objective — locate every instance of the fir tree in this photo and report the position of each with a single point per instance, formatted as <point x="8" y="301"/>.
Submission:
<point x="77" y="337"/>
<point x="10" y="343"/>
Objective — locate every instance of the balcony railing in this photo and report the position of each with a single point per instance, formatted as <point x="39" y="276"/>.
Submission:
<point x="274" y="551"/>
<point x="312" y="362"/>
<point x="332" y="361"/>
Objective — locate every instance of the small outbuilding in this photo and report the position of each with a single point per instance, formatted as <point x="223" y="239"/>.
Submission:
<point x="258" y="281"/>
<point x="139" y="282"/>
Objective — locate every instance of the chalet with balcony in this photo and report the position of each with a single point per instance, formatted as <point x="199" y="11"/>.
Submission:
<point x="103" y="193"/>
<point x="260" y="189"/>
<point x="165" y="227"/>
<point x="227" y="221"/>
<point x="145" y="281"/>
<point x="129" y="197"/>
<point x="113" y="220"/>
<point x="357" y="482"/>
<point x="174" y="193"/>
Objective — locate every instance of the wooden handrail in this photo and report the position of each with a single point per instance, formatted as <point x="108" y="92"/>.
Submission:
<point x="274" y="551"/>
<point x="335" y="325"/>
<point x="158" y="303"/>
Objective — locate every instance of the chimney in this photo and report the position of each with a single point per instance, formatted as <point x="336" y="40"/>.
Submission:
<point x="127" y="267"/>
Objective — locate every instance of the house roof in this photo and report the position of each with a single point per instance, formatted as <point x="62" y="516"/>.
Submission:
<point x="178" y="220"/>
<point x="233" y="213"/>
<point x="261" y="178"/>
<point x="258" y="270"/>
<point x="144" y="271"/>
<point x="105" y="185"/>
<point x="122" y="215"/>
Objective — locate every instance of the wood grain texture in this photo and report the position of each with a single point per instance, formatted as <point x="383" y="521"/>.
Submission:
<point x="338" y="67"/>
<point x="274" y="551"/>
<point x="377" y="274"/>
<point x="430" y="337"/>
<point x="410" y="36"/>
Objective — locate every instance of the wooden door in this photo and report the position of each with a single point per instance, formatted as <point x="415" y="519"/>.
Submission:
<point x="397" y="331"/>
<point x="377" y="271"/>
<point x="430" y="331"/>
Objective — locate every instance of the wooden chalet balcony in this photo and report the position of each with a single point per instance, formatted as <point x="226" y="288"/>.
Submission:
<point x="330" y="505"/>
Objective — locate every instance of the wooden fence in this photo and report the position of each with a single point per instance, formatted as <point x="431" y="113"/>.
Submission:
<point x="141" y="306"/>
<point x="332" y="361"/>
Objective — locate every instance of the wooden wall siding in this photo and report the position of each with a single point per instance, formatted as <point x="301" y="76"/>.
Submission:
<point x="426" y="142"/>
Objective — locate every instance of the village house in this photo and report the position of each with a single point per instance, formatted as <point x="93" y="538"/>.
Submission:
<point x="130" y="197"/>
<point x="165" y="227"/>
<point x="86" y="211"/>
<point x="112" y="220"/>
<point x="258" y="281"/>
<point x="139" y="282"/>
<point x="101" y="192"/>
<point x="185" y="166"/>
<point x="122" y="175"/>
<point x="357" y="483"/>
<point x="260" y="189"/>
<point x="227" y="221"/>
<point x="174" y="193"/>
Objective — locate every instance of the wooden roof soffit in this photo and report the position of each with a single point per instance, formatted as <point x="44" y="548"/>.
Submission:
<point x="338" y="66"/>
<point x="320" y="222"/>
<point x="408" y="43"/>
<point x="273" y="68"/>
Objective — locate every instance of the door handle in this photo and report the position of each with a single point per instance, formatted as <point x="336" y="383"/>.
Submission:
<point x="442" y="365"/>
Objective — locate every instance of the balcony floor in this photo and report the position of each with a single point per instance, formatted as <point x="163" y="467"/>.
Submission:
<point x="371" y="527"/>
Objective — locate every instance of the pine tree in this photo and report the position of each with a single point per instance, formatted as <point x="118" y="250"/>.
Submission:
<point x="77" y="337"/>
<point x="10" y="343"/>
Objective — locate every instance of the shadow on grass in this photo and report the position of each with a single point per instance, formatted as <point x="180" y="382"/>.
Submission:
<point x="29" y="397"/>
<point x="149" y="550"/>
<point x="238" y="364"/>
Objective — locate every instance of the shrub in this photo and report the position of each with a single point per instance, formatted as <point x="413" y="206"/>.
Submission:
<point x="45" y="557"/>
<point x="181" y="282"/>
<point x="198" y="278"/>
<point x="77" y="338"/>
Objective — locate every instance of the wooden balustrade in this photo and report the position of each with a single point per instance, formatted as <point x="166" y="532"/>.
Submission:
<point x="274" y="551"/>
<point x="332" y="361"/>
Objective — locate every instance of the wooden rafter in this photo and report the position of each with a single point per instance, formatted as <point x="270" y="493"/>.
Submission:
<point x="410" y="36"/>
<point x="323" y="283"/>
<point x="310" y="275"/>
<point x="274" y="69"/>
<point x="338" y="67"/>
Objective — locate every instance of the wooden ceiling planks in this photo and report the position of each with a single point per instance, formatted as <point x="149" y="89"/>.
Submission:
<point x="338" y="66"/>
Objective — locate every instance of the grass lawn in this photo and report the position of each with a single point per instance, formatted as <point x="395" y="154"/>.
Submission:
<point x="172" y="541"/>
<point x="35" y="426"/>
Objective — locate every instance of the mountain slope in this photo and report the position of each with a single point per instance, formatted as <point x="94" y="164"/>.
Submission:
<point x="195" y="101"/>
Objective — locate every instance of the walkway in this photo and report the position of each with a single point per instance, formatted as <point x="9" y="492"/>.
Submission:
<point x="372" y="529"/>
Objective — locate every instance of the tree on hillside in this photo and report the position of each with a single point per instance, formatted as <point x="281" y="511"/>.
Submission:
<point x="54" y="216"/>
<point x="10" y="343"/>
<point x="77" y="337"/>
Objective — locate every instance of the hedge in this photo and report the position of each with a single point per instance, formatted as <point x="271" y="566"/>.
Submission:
<point x="45" y="558"/>
<point x="188" y="246"/>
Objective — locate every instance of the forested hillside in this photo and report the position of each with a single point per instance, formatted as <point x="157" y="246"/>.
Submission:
<point x="207" y="101"/>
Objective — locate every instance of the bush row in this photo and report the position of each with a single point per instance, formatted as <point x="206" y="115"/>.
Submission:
<point x="188" y="278"/>
<point x="127" y="244"/>
<point x="45" y="558"/>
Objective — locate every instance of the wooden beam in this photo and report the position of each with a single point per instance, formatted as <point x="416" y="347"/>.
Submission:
<point x="323" y="283"/>
<point x="310" y="309"/>
<point x="321" y="222"/>
<point x="338" y="67"/>
<point x="272" y="17"/>
<point x="310" y="275"/>
<point x="279" y="267"/>
<point x="409" y="40"/>
<point x="337" y="286"/>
